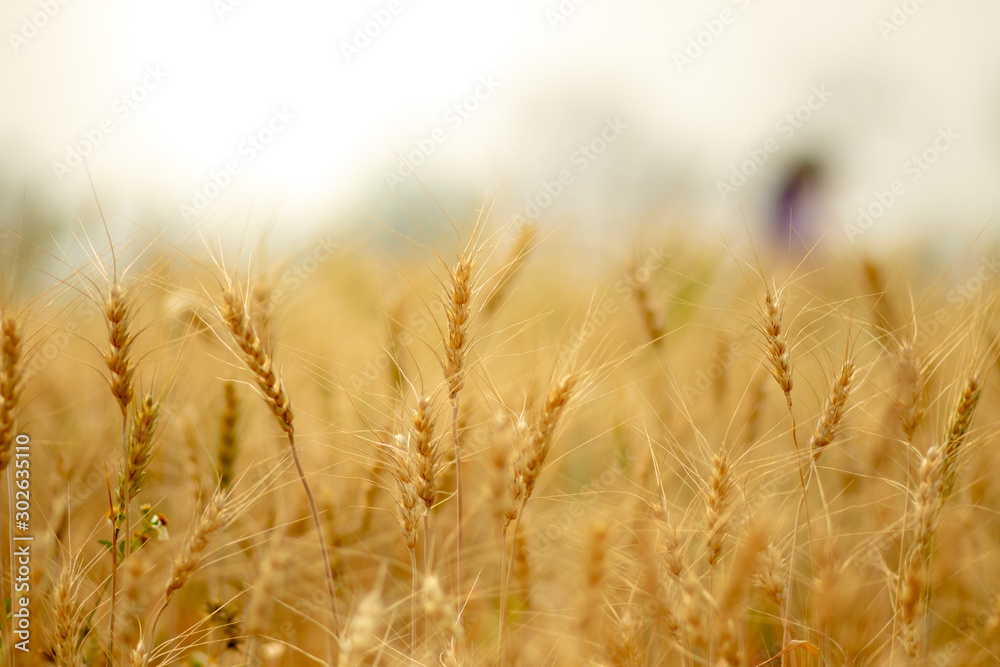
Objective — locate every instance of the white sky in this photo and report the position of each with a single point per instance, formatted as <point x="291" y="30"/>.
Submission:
<point x="227" y="69"/>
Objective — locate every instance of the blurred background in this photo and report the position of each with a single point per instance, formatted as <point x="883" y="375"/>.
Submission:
<point x="858" y="123"/>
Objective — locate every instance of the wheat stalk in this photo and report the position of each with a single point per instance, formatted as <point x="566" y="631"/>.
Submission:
<point x="118" y="358"/>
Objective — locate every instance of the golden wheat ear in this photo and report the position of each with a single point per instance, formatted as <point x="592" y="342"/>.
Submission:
<point x="227" y="451"/>
<point x="11" y="370"/>
<point x="830" y="420"/>
<point x="70" y="615"/>
<point x="777" y="344"/>
<point x="363" y="631"/>
<point x="910" y="391"/>
<point x="237" y="320"/>
<point x="955" y="436"/>
<point x="516" y="258"/>
<point x="118" y="355"/>
<point x="651" y="320"/>
<point x="717" y="500"/>
<point x="139" y="449"/>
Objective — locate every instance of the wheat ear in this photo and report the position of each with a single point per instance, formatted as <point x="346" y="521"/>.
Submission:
<point x="522" y="244"/>
<point x="362" y="632"/>
<point x="139" y="450"/>
<point x="717" y="497"/>
<point x="650" y="320"/>
<point x="237" y="320"/>
<point x="214" y="518"/>
<point x="911" y="389"/>
<point x="955" y="436"/>
<point x="833" y="413"/>
<point x="117" y="356"/>
<point x="70" y="615"/>
<point x="594" y="575"/>
<point x="912" y="578"/>
<point x="226" y="457"/>
<point x="525" y="469"/>
<point x="427" y="460"/>
<point x="10" y="385"/>
<point x="777" y="344"/>
<point x="541" y="439"/>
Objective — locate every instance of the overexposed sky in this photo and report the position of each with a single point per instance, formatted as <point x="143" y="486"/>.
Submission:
<point x="229" y="108"/>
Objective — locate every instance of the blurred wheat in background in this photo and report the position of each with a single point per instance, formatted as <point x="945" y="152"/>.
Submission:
<point x="454" y="334"/>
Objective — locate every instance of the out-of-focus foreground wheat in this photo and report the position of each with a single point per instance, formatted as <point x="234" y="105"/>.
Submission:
<point x="697" y="458"/>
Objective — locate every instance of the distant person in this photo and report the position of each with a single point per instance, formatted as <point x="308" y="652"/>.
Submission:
<point x="797" y="203"/>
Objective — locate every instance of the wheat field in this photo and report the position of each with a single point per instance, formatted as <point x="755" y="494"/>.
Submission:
<point x="475" y="451"/>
